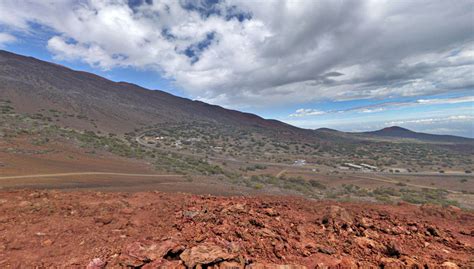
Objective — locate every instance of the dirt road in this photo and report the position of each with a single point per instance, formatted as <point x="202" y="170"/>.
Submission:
<point x="392" y="181"/>
<point x="86" y="174"/>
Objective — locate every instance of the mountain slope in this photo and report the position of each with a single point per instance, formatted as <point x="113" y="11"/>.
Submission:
<point x="402" y="133"/>
<point x="32" y="85"/>
<point x="87" y="101"/>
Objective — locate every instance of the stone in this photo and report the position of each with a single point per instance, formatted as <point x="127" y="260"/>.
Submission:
<point x="137" y="253"/>
<point x="365" y="222"/>
<point x="367" y="243"/>
<point x="25" y="203"/>
<point x="274" y="266"/>
<point x="432" y="231"/>
<point x="96" y="263"/>
<point x="393" y="249"/>
<point x="337" y="216"/>
<point x="271" y="212"/>
<point x="103" y="220"/>
<point x="205" y="254"/>
<point x="235" y="208"/>
<point x="163" y="263"/>
<point x="391" y="263"/>
<point x="230" y="265"/>
<point x="449" y="265"/>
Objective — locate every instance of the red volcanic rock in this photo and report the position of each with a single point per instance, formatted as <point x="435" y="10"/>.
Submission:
<point x="163" y="263"/>
<point x="205" y="254"/>
<point x="229" y="265"/>
<point x="139" y="253"/>
<point x="274" y="266"/>
<point x="160" y="230"/>
<point x="97" y="263"/>
<point x="337" y="216"/>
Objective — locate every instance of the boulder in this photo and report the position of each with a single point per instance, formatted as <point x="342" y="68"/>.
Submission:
<point x="337" y="216"/>
<point x="138" y="253"/>
<point x="205" y="254"/>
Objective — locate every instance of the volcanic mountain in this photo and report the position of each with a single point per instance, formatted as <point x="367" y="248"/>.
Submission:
<point x="402" y="133"/>
<point x="31" y="85"/>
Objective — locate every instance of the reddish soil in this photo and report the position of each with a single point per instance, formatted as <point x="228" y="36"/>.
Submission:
<point x="44" y="229"/>
<point x="19" y="157"/>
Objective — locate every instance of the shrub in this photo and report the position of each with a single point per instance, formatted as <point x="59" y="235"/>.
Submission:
<point x="316" y="184"/>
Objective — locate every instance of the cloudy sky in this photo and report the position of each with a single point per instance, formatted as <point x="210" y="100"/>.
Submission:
<point x="348" y="65"/>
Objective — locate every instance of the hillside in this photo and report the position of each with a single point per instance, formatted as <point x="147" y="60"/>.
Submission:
<point x="31" y="85"/>
<point x="41" y="102"/>
<point x="94" y="103"/>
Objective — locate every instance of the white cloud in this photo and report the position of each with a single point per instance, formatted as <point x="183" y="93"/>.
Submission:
<point x="438" y="101"/>
<point x="287" y="52"/>
<point x="432" y="120"/>
<point x="302" y="112"/>
<point x="387" y="106"/>
<point x="368" y="110"/>
<point x="6" y="38"/>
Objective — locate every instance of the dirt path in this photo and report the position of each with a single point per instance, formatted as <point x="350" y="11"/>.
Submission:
<point x="392" y="181"/>
<point x="86" y="174"/>
<point x="281" y="173"/>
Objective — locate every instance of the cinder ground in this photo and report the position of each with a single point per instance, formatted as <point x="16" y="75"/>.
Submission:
<point x="70" y="229"/>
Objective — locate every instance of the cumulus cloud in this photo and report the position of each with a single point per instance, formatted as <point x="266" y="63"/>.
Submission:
<point x="257" y="53"/>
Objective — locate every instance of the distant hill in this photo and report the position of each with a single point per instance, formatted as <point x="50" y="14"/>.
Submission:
<point x="403" y="133"/>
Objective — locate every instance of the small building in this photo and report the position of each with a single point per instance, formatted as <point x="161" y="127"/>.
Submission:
<point x="353" y="166"/>
<point x="368" y="166"/>
<point x="217" y="148"/>
<point x="299" y="163"/>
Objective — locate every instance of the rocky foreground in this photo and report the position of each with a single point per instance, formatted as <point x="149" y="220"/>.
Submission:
<point x="159" y="230"/>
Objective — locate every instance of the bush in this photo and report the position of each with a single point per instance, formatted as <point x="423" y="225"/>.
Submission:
<point x="437" y="196"/>
<point x="316" y="184"/>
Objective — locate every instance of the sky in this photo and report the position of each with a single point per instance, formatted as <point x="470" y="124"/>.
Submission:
<point x="348" y="65"/>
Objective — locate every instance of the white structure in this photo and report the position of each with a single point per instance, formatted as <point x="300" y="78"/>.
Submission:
<point x="368" y="166"/>
<point x="351" y="165"/>
<point x="299" y="162"/>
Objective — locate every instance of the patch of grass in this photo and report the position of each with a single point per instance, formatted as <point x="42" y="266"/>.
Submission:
<point x="432" y="196"/>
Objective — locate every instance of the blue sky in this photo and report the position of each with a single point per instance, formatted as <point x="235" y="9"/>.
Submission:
<point x="352" y="66"/>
